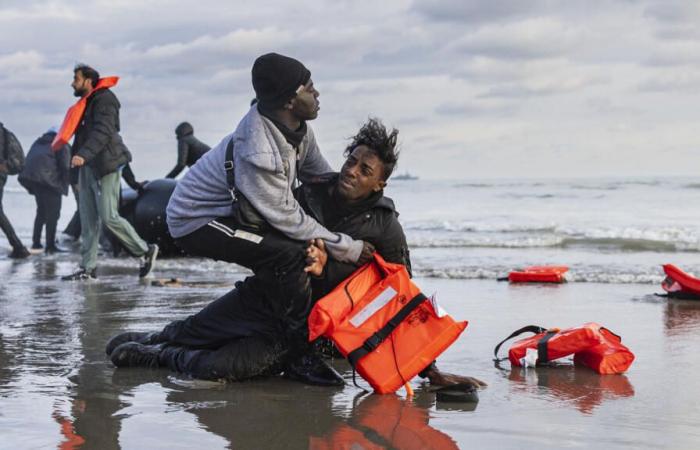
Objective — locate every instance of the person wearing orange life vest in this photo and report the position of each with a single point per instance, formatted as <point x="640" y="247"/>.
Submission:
<point x="237" y="336"/>
<point x="101" y="154"/>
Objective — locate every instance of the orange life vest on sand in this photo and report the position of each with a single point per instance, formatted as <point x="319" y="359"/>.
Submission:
<point x="383" y="324"/>
<point x="539" y="274"/>
<point x="591" y="344"/>
<point x="384" y="421"/>
<point x="680" y="284"/>
<point x="75" y="114"/>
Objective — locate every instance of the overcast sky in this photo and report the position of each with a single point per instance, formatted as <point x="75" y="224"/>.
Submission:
<point x="477" y="88"/>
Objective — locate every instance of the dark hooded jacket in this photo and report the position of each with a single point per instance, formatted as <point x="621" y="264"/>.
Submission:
<point x="189" y="149"/>
<point x="376" y="223"/>
<point x="97" y="138"/>
<point x="45" y="168"/>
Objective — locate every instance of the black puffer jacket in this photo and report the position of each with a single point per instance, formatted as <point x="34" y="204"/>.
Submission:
<point x="45" y="168"/>
<point x="378" y="225"/>
<point x="97" y="138"/>
<point x="189" y="149"/>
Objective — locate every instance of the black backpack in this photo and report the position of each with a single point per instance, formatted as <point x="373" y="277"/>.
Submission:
<point x="14" y="155"/>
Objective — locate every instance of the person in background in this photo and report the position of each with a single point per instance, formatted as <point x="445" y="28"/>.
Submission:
<point x="18" y="249"/>
<point x="46" y="177"/>
<point x="101" y="155"/>
<point x="189" y="149"/>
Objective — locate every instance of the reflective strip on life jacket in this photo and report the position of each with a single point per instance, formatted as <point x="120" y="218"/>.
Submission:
<point x="75" y="114"/>
<point x="381" y="321"/>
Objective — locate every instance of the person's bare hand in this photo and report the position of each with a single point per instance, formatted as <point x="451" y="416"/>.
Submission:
<point x="77" y="161"/>
<point x="367" y="253"/>
<point x="316" y="257"/>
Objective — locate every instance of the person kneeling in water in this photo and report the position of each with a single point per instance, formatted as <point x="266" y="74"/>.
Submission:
<point x="249" y="332"/>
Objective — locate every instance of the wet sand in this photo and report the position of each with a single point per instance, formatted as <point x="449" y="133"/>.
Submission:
<point x="58" y="388"/>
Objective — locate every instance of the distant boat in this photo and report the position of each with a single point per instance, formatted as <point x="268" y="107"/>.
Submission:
<point x="405" y="176"/>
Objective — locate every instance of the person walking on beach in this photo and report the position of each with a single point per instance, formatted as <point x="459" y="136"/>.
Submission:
<point x="18" y="249"/>
<point x="46" y="177"/>
<point x="189" y="149"/>
<point x="101" y="154"/>
<point x="236" y="204"/>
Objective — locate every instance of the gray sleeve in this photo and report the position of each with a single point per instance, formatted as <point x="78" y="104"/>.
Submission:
<point x="314" y="164"/>
<point x="269" y="192"/>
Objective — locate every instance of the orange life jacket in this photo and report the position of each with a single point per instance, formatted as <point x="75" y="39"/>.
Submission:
<point x="680" y="284"/>
<point x="379" y="319"/>
<point x="75" y="114"/>
<point x="539" y="274"/>
<point x="591" y="344"/>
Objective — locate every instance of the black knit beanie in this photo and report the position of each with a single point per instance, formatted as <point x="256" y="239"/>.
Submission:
<point x="276" y="79"/>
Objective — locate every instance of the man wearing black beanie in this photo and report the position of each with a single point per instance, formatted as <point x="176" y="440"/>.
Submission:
<point x="236" y="204"/>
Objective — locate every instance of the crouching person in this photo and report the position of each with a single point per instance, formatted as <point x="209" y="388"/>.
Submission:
<point x="249" y="332"/>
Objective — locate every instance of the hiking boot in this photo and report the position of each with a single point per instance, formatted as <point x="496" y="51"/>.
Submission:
<point x="133" y="354"/>
<point x="81" y="275"/>
<point x="148" y="261"/>
<point x="311" y="369"/>
<point x="129" y="336"/>
<point x="19" y="253"/>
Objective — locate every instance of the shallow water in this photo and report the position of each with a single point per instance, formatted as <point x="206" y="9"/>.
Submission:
<point x="58" y="388"/>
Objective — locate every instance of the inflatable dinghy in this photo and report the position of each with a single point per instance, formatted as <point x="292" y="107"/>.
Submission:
<point x="679" y="284"/>
<point x="538" y="274"/>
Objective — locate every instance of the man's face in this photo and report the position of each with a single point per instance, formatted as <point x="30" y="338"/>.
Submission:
<point x="361" y="175"/>
<point x="305" y="105"/>
<point x="81" y="85"/>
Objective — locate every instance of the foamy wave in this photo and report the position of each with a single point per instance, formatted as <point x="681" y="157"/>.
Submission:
<point x="574" y="276"/>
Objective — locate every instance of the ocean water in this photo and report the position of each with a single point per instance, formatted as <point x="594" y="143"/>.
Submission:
<point x="605" y="230"/>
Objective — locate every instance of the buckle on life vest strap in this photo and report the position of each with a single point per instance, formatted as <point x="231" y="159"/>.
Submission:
<point x="228" y="165"/>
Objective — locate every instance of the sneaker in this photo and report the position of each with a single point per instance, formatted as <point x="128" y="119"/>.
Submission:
<point x="19" y="253"/>
<point x="81" y="275"/>
<point x="311" y="369"/>
<point x="129" y="336"/>
<point x="133" y="354"/>
<point x="149" y="261"/>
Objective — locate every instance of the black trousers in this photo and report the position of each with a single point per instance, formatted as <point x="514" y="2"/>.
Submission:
<point x="236" y="337"/>
<point x="278" y="263"/>
<point x="48" y="210"/>
<point x="5" y="224"/>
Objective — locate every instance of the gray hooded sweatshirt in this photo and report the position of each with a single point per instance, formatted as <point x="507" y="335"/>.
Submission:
<point x="266" y="167"/>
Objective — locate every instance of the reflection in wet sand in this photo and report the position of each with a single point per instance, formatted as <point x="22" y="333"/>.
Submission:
<point x="578" y="386"/>
<point x="682" y="316"/>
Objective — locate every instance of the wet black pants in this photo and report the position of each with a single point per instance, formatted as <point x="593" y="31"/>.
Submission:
<point x="235" y="337"/>
<point x="48" y="210"/>
<point x="277" y="261"/>
<point x="5" y="224"/>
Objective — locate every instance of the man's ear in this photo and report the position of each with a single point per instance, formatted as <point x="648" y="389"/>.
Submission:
<point x="380" y="185"/>
<point x="290" y="104"/>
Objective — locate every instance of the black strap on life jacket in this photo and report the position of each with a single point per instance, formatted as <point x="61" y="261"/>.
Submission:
<point x="530" y="328"/>
<point x="228" y="167"/>
<point x="379" y="336"/>
<point x="542" y="357"/>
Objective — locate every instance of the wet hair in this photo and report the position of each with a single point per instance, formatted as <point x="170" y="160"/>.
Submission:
<point x="374" y="135"/>
<point x="88" y="72"/>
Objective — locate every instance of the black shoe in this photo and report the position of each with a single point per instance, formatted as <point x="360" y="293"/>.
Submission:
<point x="54" y="249"/>
<point x="81" y="275"/>
<point x="149" y="261"/>
<point x="37" y="246"/>
<point x="311" y="369"/>
<point x="129" y="336"/>
<point x="19" y="253"/>
<point x="133" y="354"/>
